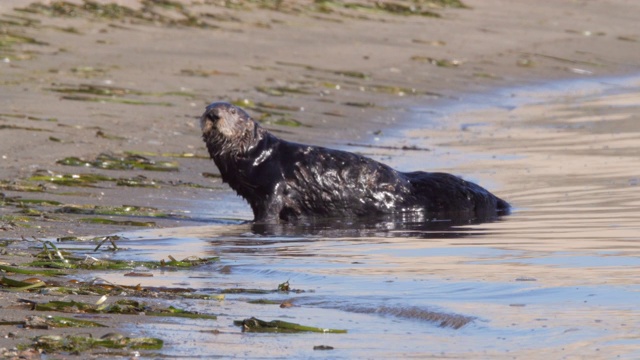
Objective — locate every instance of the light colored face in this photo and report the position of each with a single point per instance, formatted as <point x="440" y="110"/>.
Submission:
<point x="224" y="119"/>
<point x="227" y="129"/>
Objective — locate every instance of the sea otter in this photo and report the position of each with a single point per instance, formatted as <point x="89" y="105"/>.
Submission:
<point x="285" y="181"/>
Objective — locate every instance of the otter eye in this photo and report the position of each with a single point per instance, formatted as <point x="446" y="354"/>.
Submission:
<point x="232" y="111"/>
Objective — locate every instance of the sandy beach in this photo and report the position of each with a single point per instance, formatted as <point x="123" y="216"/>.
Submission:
<point x="78" y="84"/>
<point x="100" y="101"/>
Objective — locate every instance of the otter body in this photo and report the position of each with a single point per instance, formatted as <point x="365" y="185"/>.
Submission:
<point x="286" y="181"/>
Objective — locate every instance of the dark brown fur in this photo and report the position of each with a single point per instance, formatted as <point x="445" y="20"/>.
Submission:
<point x="285" y="181"/>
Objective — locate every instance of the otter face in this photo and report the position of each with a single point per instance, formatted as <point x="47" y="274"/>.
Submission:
<point x="225" y="119"/>
<point x="227" y="128"/>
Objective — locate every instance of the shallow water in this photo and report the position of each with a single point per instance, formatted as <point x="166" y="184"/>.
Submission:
<point x="560" y="277"/>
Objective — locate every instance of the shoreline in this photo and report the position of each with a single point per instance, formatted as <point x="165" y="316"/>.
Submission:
<point x="508" y="97"/>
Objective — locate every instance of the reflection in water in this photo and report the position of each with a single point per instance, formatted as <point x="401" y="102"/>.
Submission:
<point x="558" y="278"/>
<point x="403" y="225"/>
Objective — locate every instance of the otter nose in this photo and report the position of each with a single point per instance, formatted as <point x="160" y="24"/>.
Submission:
<point x="213" y="114"/>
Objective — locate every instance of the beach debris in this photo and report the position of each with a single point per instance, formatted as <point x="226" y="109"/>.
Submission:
<point x="39" y="322"/>
<point x="205" y="73"/>
<point x="264" y="302"/>
<point x="281" y="288"/>
<point x="16" y="270"/>
<point x="122" y="162"/>
<point x="448" y="63"/>
<point x="52" y="260"/>
<point x="14" y="185"/>
<point x="103" y="221"/>
<point x="281" y="90"/>
<point x="71" y="261"/>
<point x="79" y="343"/>
<point x="256" y="325"/>
<point x="285" y="122"/>
<point x="124" y="306"/>
<point x="124" y="210"/>
<point x="82" y="180"/>
<point x="403" y="147"/>
<point x="322" y="347"/>
<point x="284" y="286"/>
<point x="17" y="127"/>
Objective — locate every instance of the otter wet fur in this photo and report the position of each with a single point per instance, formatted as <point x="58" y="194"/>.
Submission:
<point x="285" y="181"/>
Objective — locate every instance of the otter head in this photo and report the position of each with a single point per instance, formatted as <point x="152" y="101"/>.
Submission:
<point x="228" y="130"/>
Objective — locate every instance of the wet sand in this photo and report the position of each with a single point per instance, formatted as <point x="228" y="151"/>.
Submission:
<point x="84" y="85"/>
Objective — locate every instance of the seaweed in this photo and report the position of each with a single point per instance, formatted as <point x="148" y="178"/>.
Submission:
<point x="272" y="106"/>
<point x="350" y="8"/>
<point x="322" y="347"/>
<point x="398" y="90"/>
<point x="17" y="127"/>
<point x="52" y="257"/>
<point x="447" y="63"/>
<point x="360" y="104"/>
<point x="124" y="210"/>
<point x="21" y="285"/>
<point x="22" y="202"/>
<point x="149" y="12"/>
<point x="564" y="60"/>
<point x="205" y="73"/>
<point x="175" y="312"/>
<point x="286" y="122"/>
<point x="103" y="135"/>
<point x="110" y="94"/>
<point x="281" y="90"/>
<point x="345" y="73"/>
<point x="628" y="38"/>
<point x="124" y="306"/>
<point x="85" y="180"/>
<point x="9" y="221"/>
<point x="184" y="155"/>
<point x="103" y="221"/>
<point x="16" y="270"/>
<point x="256" y="325"/>
<point x="329" y="6"/>
<point x="27" y="117"/>
<point x="282" y="288"/>
<point x="59" y="322"/>
<point x="18" y="186"/>
<point x="89" y="89"/>
<point x="264" y="302"/>
<point x="87" y="71"/>
<point x="79" y="343"/>
<point x="404" y="147"/>
<point x="113" y="99"/>
<point x="8" y="39"/>
<point x="65" y="260"/>
<point x="126" y="162"/>
<point x="246" y="291"/>
<point x="138" y="181"/>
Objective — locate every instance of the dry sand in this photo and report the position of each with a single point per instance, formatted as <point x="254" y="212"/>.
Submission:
<point x="343" y="76"/>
